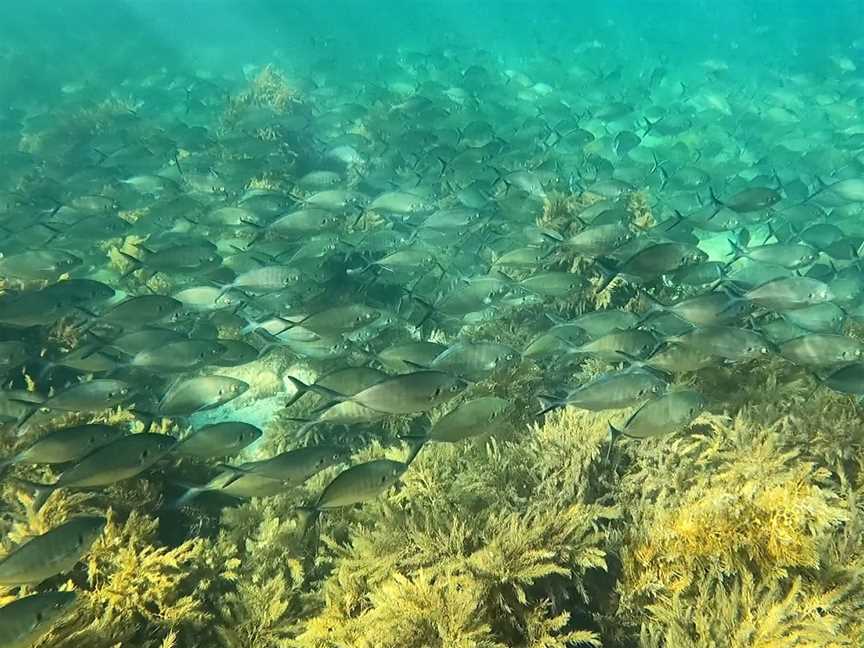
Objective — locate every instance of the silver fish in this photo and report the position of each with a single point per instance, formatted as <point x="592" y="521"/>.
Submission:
<point x="51" y="553"/>
<point x="25" y="621"/>
<point x="198" y="394"/>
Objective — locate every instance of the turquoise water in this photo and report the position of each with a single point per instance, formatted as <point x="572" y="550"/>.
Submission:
<point x="378" y="324"/>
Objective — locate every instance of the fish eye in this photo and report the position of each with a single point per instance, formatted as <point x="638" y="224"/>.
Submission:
<point x="454" y="388"/>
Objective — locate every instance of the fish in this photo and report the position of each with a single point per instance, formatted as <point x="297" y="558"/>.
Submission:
<point x="410" y="393"/>
<point x="65" y="444"/>
<point x="665" y="414"/>
<point x="713" y="307"/>
<point x="847" y="379"/>
<point x="474" y="360"/>
<point x="786" y="255"/>
<point x="400" y="202"/>
<point x="599" y="240"/>
<point x="263" y="279"/>
<point x="346" y="381"/>
<point x="178" y="356"/>
<point x="89" y="396"/>
<point x="360" y="483"/>
<point x="271" y="476"/>
<point x="51" y="553"/>
<point x="25" y="621"/>
<point x="822" y="350"/>
<point x="406" y="357"/>
<point x="223" y="439"/>
<point x="336" y="320"/>
<point x="728" y="342"/>
<point x="789" y="293"/>
<point x="190" y="395"/>
<point x="140" y="310"/>
<point x="207" y="298"/>
<point x="612" y="346"/>
<point x="826" y="317"/>
<point x="749" y="200"/>
<point x="468" y="419"/>
<point x="193" y="258"/>
<point x="653" y="261"/>
<point x="610" y="391"/>
<point x="123" y="458"/>
<point x="38" y="264"/>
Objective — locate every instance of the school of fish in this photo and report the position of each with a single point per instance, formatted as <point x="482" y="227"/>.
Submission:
<point x="369" y="226"/>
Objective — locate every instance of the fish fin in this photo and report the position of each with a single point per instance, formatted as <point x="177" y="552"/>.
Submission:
<point x="416" y="365"/>
<point x="551" y="235"/>
<point x="555" y="319"/>
<point x="298" y="419"/>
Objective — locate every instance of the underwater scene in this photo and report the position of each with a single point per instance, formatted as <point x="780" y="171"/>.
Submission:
<point x="431" y="324"/>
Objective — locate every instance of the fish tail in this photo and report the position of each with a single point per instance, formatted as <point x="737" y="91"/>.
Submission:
<point x="307" y="517"/>
<point x="664" y="175"/>
<point x="714" y="197"/>
<point x="607" y="273"/>
<point x="547" y="404"/>
<point x="501" y="178"/>
<point x="5" y="464"/>
<point x="19" y="424"/>
<point x="737" y="251"/>
<point x="186" y="498"/>
<point x="41" y="491"/>
<point x="303" y="430"/>
<point x="300" y="388"/>
<point x="416" y="444"/>
<point x="654" y="306"/>
<point x="614" y="434"/>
